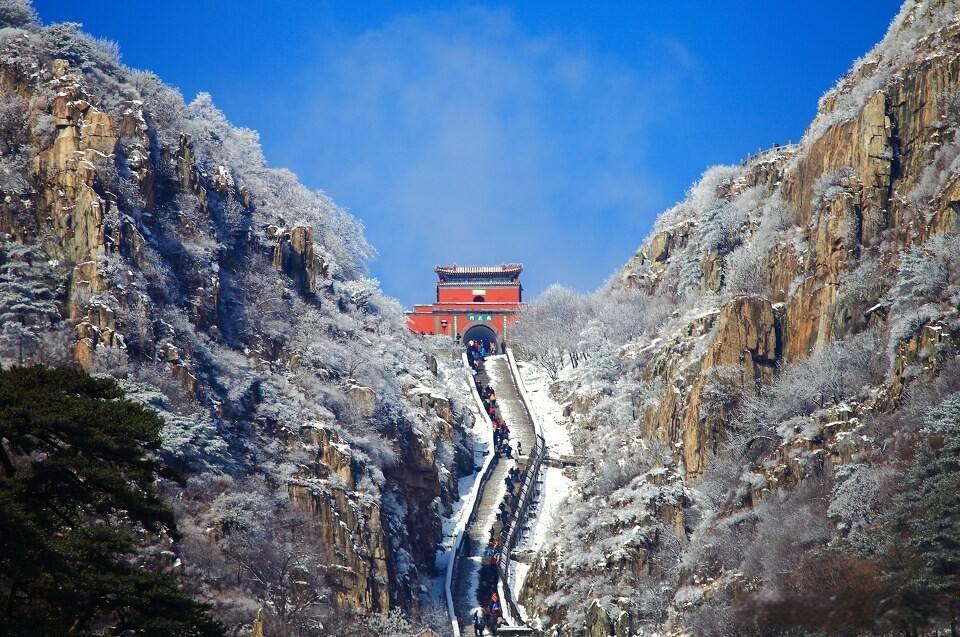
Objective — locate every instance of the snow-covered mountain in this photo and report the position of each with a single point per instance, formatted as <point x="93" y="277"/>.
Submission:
<point x="765" y="399"/>
<point x="147" y="238"/>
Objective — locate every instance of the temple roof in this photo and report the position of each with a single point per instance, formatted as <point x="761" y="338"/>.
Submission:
<point x="461" y="271"/>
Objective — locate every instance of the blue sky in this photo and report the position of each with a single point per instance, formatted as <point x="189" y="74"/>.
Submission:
<point x="550" y="133"/>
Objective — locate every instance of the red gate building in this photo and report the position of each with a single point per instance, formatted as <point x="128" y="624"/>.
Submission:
<point x="473" y="302"/>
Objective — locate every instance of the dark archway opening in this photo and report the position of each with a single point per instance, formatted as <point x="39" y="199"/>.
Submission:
<point x="478" y="299"/>
<point x="482" y="333"/>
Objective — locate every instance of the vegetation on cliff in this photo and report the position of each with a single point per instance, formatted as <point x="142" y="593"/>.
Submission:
<point x="787" y="370"/>
<point x="145" y="238"/>
<point x="77" y="494"/>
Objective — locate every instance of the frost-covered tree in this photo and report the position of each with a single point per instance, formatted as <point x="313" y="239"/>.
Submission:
<point x="827" y="376"/>
<point x="29" y="312"/>
<point x="602" y="363"/>
<point x="831" y="184"/>
<point x="14" y="125"/>
<point x="858" y="502"/>
<point x="922" y="273"/>
<point x="711" y="223"/>
<point x="90" y="54"/>
<point x="627" y="315"/>
<point x="746" y="269"/>
<point x="16" y="150"/>
<point x="927" y="274"/>
<point x="548" y="329"/>
<point x="190" y="441"/>
<point x="723" y="390"/>
<point x="284" y="569"/>
<point x="725" y="226"/>
<point x="928" y="513"/>
<point x="17" y="13"/>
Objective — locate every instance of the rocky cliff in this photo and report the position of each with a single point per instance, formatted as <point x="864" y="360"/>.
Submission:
<point x="146" y="238"/>
<point x="809" y="296"/>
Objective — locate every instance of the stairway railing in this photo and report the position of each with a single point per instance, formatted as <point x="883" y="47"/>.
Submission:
<point x="527" y="493"/>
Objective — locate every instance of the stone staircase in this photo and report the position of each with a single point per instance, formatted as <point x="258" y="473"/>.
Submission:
<point x="491" y="492"/>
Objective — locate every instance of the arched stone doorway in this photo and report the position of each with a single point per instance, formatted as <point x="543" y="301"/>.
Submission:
<point x="481" y="332"/>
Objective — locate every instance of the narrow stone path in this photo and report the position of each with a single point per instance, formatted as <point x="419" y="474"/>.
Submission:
<point x="511" y="405"/>
<point x="466" y="572"/>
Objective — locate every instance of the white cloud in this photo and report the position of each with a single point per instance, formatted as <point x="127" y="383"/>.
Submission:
<point x="461" y="137"/>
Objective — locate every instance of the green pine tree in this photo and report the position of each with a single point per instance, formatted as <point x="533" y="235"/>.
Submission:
<point x="77" y="474"/>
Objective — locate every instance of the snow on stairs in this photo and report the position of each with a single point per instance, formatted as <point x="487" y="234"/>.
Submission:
<point x="511" y="405"/>
<point x="467" y="568"/>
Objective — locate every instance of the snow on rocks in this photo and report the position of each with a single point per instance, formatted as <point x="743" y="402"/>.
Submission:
<point x="479" y="441"/>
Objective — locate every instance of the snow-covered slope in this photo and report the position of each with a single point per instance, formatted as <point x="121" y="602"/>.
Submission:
<point x="751" y="389"/>
<point x="147" y="238"/>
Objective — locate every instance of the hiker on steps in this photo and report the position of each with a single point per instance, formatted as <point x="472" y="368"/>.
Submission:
<point x="478" y="622"/>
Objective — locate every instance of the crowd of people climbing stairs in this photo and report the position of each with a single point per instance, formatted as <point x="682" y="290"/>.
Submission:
<point x="477" y="351"/>
<point x="488" y="616"/>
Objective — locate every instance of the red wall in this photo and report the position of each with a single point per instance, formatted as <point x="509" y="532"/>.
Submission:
<point x="432" y="322"/>
<point x="421" y="323"/>
<point x="428" y="319"/>
<point x="491" y="295"/>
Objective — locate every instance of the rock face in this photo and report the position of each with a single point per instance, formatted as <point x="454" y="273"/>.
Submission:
<point x="354" y="530"/>
<point x="84" y="137"/>
<point x="98" y="329"/>
<point x="650" y="262"/>
<point x="865" y="144"/>
<point x="293" y="253"/>
<point x="364" y="400"/>
<point x="748" y="340"/>
<point x="881" y="149"/>
<point x="332" y="457"/>
<point x="776" y="271"/>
